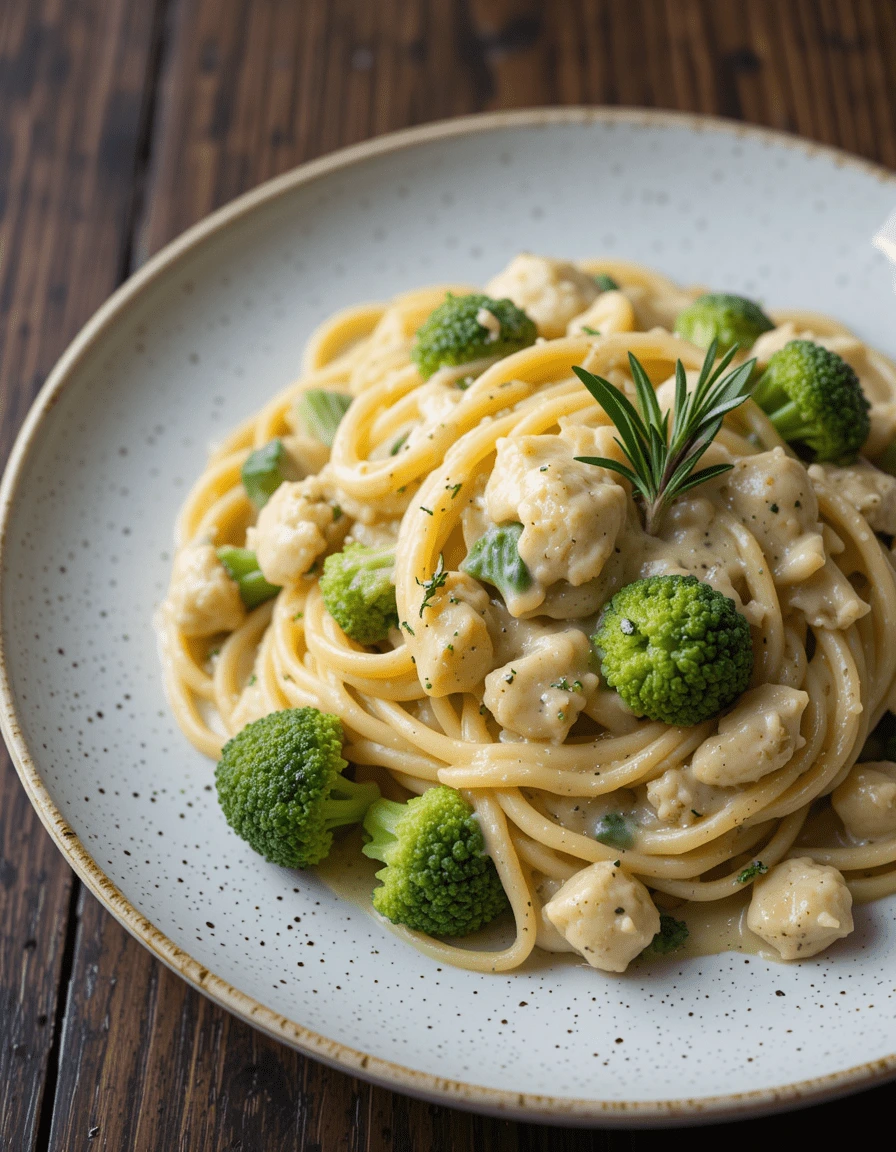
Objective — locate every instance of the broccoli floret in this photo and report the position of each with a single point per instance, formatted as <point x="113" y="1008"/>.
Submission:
<point x="242" y="566"/>
<point x="674" y="649"/>
<point x="720" y="316"/>
<point x="495" y="559"/>
<point x="605" y="283"/>
<point x="281" y="787"/>
<point x="438" y="877"/>
<point x="358" y="592"/>
<point x="453" y="335"/>
<point x="671" y="936"/>
<point x="320" y="413"/>
<point x="814" y="399"/>
<point x="264" y="471"/>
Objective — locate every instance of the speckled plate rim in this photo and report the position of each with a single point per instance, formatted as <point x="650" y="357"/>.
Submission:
<point x="523" y="1106"/>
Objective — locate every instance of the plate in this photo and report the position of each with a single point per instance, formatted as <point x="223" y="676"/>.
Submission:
<point x="199" y="338"/>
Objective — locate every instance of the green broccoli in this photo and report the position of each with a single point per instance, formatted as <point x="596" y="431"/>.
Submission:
<point x="674" y="649"/>
<point x="281" y="787"/>
<point x="720" y="316"/>
<point x="605" y="283"/>
<point x="495" y="559"/>
<point x="453" y="335"/>
<point x="814" y="399"/>
<point x="438" y="877"/>
<point x="358" y="592"/>
<point x="264" y="471"/>
<point x="671" y="936"/>
<point x="319" y="413"/>
<point x="242" y="566"/>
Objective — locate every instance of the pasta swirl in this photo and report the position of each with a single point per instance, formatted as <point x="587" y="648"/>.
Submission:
<point x="420" y="465"/>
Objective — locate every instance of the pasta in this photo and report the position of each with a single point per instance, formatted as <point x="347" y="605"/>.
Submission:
<point x="500" y="697"/>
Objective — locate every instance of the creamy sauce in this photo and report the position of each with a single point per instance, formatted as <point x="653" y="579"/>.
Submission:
<point x="347" y="871"/>
<point x="714" y="928"/>
<point x="719" y="926"/>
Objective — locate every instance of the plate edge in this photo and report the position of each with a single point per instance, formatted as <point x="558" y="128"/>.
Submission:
<point x="498" y="1102"/>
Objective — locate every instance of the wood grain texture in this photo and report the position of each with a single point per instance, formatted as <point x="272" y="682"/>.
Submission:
<point x="253" y="89"/>
<point x="72" y="87"/>
<point x="105" y="159"/>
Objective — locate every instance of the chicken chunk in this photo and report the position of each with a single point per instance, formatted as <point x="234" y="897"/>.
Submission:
<point x="771" y="494"/>
<point x="827" y="599"/>
<point x="679" y="798"/>
<point x="606" y="915"/>
<point x="546" y="935"/>
<point x="571" y="512"/>
<point x="551" y="292"/>
<point x="866" y="800"/>
<point x="759" y="735"/>
<point x="202" y="598"/>
<point x="870" y="491"/>
<point x="451" y="643"/>
<point x="297" y="525"/>
<point x="800" y="908"/>
<point x="540" y="695"/>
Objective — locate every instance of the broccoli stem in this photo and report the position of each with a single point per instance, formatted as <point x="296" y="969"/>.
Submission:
<point x="789" y="422"/>
<point x="785" y="415"/>
<point x="380" y="823"/>
<point x="242" y="566"/>
<point x="348" y="801"/>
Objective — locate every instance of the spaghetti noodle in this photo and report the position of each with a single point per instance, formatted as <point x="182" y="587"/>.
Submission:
<point x="426" y="467"/>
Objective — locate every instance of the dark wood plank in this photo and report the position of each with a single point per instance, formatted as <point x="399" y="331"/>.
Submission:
<point x="71" y="86"/>
<point x="35" y="889"/>
<point x="249" y="89"/>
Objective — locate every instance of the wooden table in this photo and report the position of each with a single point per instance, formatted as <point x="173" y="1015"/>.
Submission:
<point x="121" y="123"/>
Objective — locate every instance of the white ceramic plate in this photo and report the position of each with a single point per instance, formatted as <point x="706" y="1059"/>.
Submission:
<point x="198" y="339"/>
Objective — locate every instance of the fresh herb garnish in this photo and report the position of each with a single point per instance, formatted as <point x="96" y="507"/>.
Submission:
<point x="757" y="868"/>
<point x="662" y="463"/>
<point x="671" y="936"/>
<point x="432" y="585"/>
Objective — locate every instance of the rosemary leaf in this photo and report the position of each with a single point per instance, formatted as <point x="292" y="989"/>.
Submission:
<point x="663" y="460"/>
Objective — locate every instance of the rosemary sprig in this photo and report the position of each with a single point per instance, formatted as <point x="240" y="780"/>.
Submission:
<point x="662" y="463"/>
